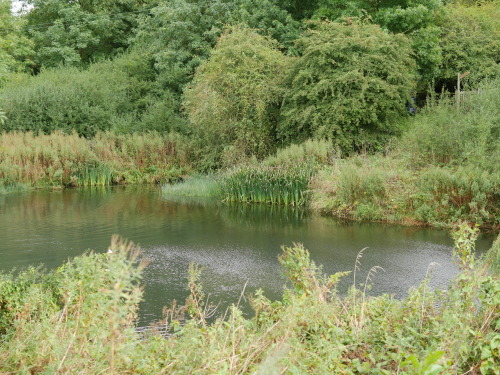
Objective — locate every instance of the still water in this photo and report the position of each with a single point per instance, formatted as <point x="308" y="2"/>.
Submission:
<point x="237" y="245"/>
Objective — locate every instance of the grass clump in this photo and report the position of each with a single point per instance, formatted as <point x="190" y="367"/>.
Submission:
<point x="194" y="186"/>
<point x="81" y="316"/>
<point x="270" y="185"/>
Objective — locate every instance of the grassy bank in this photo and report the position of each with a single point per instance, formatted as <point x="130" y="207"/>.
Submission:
<point x="61" y="160"/>
<point x="442" y="170"/>
<point x="280" y="179"/>
<point x="81" y="316"/>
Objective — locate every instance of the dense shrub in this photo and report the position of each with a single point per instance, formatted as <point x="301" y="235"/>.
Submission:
<point x="233" y="100"/>
<point x="115" y="95"/>
<point x="80" y="316"/>
<point x="443" y="135"/>
<point x="350" y="85"/>
<point x="450" y="196"/>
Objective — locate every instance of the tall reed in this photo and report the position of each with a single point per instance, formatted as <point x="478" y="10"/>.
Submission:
<point x="270" y="185"/>
<point x="61" y="159"/>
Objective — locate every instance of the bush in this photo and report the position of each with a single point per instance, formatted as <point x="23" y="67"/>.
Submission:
<point x="80" y="316"/>
<point x="442" y="135"/>
<point x="114" y="95"/>
<point x="450" y="196"/>
<point x="350" y="85"/>
<point x="233" y="100"/>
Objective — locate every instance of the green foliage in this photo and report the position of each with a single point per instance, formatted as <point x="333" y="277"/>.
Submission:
<point x="233" y="100"/>
<point x="180" y="34"/>
<point x="268" y="19"/>
<point x="15" y="49"/>
<point x="442" y="135"/>
<point x="442" y="170"/>
<point x="416" y="19"/>
<point x="464" y="237"/>
<point x="61" y="160"/>
<point x="72" y="32"/>
<point x="300" y="9"/>
<point x="286" y="185"/>
<point x="465" y="194"/>
<point x="81" y="316"/>
<point x="470" y="41"/>
<point x="350" y="86"/>
<point x="114" y="95"/>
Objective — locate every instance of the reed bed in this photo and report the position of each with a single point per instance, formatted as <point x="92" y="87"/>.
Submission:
<point x="60" y="160"/>
<point x="270" y="185"/>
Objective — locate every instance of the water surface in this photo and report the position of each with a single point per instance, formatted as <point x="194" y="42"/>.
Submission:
<point x="237" y="245"/>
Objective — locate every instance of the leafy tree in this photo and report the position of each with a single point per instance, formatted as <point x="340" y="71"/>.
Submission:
<point x="233" y="100"/>
<point x="15" y="49"/>
<point x="415" y="18"/>
<point x="179" y="34"/>
<point x="470" y="41"/>
<point x="75" y="32"/>
<point x="350" y="85"/>
<point x="299" y="9"/>
<point x="267" y="18"/>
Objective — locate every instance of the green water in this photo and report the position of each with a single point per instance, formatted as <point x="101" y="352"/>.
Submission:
<point x="236" y="244"/>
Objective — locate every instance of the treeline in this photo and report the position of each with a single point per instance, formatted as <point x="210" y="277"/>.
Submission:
<point x="238" y="79"/>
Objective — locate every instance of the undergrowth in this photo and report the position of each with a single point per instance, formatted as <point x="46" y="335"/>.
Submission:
<point x="80" y="317"/>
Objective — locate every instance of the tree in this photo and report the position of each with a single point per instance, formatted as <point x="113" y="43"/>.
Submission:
<point x="179" y="34"/>
<point x="350" y="85"/>
<point x="15" y="49"/>
<point x="233" y="100"/>
<point x="268" y="19"/>
<point x="75" y="32"/>
<point x="470" y="41"/>
<point x="417" y="19"/>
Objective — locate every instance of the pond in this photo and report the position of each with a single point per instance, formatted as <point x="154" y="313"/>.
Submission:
<point x="237" y="245"/>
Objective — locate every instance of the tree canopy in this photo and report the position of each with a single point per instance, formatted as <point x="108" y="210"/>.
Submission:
<point x="350" y="85"/>
<point x="234" y="98"/>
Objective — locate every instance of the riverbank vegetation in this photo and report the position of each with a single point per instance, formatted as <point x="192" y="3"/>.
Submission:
<point x="156" y="92"/>
<point x="81" y="316"/>
<point x="61" y="160"/>
<point x="443" y="169"/>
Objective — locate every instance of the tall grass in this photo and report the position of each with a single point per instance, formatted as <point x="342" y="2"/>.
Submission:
<point x="194" y="186"/>
<point x="81" y="317"/>
<point x="60" y="159"/>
